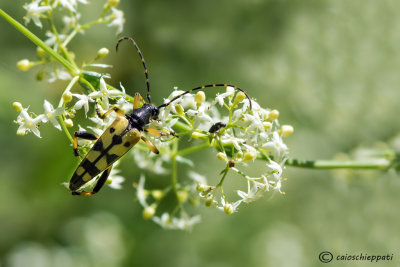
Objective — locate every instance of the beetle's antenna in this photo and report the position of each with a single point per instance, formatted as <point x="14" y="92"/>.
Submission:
<point x="206" y="86"/>
<point x="142" y="58"/>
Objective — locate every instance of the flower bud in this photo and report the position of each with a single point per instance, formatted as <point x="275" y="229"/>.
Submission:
<point x="199" y="98"/>
<point x="24" y="64"/>
<point x="273" y="115"/>
<point x="17" y="106"/>
<point x="222" y="156"/>
<point x="157" y="194"/>
<point x="228" y="209"/>
<point x="249" y="156"/>
<point x="102" y="52"/>
<point x="21" y="132"/>
<point x="67" y="97"/>
<point x="267" y="125"/>
<point x="179" y="110"/>
<point x="72" y="113"/>
<point x="286" y="130"/>
<point x="201" y="187"/>
<point x="149" y="212"/>
<point x="197" y="135"/>
<point x="239" y="98"/>
<point x="182" y="196"/>
<point x="40" y="52"/>
<point x="210" y="202"/>
<point x="69" y="123"/>
<point x="231" y="90"/>
<point x="113" y="3"/>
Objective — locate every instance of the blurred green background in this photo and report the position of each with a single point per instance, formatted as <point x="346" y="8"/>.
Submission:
<point x="329" y="67"/>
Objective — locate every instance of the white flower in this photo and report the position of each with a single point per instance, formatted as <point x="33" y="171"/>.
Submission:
<point x="183" y="223"/>
<point x="71" y="5"/>
<point x="27" y="123"/>
<point x="164" y="221"/>
<point x="71" y="22"/>
<point x="201" y="115"/>
<point x="52" y="38"/>
<point x="263" y="185"/>
<point x="252" y="192"/>
<point x="118" y="20"/>
<point x="59" y="75"/>
<point x="116" y="180"/>
<point x="220" y="98"/>
<point x="276" y="169"/>
<point x="82" y="102"/>
<point x="34" y="12"/>
<point x="276" y="146"/>
<point x="104" y="93"/>
<point x="227" y="207"/>
<point x="51" y="114"/>
<point x="229" y="139"/>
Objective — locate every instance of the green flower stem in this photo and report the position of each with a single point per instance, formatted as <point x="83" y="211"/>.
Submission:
<point x="87" y="83"/>
<point x="69" y="86"/>
<point x="69" y="38"/>
<point x="174" y="167"/>
<point x="182" y="126"/>
<point x="382" y="164"/>
<point x="68" y="65"/>
<point x="62" y="47"/>
<point x="65" y="129"/>
<point x="224" y="172"/>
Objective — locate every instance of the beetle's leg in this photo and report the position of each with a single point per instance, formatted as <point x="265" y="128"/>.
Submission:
<point x="138" y="99"/>
<point x="117" y="110"/>
<point x="102" y="180"/>
<point x="83" y="135"/>
<point x="158" y="132"/>
<point x="152" y="147"/>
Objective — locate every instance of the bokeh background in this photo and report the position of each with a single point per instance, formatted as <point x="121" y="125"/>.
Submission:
<point x="330" y="68"/>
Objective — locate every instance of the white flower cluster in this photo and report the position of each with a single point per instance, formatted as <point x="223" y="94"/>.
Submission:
<point x="65" y="113"/>
<point x="240" y="137"/>
<point x="58" y="39"/>
<point x="237" y="128"/>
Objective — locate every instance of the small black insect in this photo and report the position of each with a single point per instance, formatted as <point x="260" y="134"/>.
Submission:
<point x="216" y="127"/>
<point x="123" y="134"/>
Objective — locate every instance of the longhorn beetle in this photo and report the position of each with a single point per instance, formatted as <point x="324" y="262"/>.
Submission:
<point x="121" y="135"/>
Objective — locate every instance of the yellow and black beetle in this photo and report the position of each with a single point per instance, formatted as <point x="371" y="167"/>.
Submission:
<point x="121" y="135"/>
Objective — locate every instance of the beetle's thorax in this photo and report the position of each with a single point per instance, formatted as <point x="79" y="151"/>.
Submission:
<point x="142" y="116"/>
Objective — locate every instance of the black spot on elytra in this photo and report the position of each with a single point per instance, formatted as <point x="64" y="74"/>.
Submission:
<point x="127" y="144"/>
<point x="111" y="158"/>
<point x="98" y="146"/>
<point x="112" y="130"/>
<point x="116" y="140"/>
<point x="89" y="168"/>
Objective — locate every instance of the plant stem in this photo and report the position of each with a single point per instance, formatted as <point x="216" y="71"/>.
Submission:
<point x="64" y="127"/>
<point x="379" y="164"/>
<point x="174" y="167"/>
<point x="68" y="65"/>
